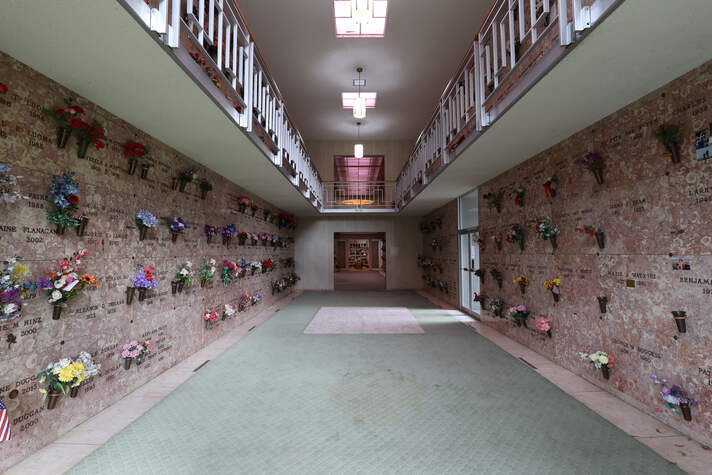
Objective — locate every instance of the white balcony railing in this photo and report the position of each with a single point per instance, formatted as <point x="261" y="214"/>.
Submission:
<point x="515" y="35"/>
<point x="367" y="195"/>
<point x="212" y="41"/>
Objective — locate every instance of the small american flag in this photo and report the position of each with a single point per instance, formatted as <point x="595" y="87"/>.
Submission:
<point x="4" y="423"/>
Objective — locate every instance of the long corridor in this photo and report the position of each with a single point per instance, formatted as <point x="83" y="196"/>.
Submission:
<point x="436" y="399"/>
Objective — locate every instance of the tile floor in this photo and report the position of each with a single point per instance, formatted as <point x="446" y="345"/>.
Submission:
<point x="85" y="438"/>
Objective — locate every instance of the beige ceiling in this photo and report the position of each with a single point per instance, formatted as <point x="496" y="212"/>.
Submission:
<point x="409" y="68"/>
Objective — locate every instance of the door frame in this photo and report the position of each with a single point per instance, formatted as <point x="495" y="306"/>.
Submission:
<point x="469" y="271"/>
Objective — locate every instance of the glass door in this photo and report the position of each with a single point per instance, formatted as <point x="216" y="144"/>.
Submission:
<point x="469" y="263"/>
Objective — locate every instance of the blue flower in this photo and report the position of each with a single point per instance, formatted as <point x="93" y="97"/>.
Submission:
<point x="146" y="218"/>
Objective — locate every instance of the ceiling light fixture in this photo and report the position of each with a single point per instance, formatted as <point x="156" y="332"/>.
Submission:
<point x="360" y="18"/>
<point x="358" y="147"/>
<point x="359" y="109"/>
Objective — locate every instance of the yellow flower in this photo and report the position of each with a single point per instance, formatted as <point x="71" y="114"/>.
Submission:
<point x="20" y="270"/>
<point x="66" y="375"/>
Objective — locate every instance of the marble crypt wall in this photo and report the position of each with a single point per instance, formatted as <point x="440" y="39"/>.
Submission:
<point x="100" y="321"/>
<point x="657" y="221"/>
<point x="439" y="260"/>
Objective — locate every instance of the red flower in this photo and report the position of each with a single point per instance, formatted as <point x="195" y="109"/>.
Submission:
<point x="77" y="109"/>
<point x="3" y="88"/>
<point x="73" y="199"/>
<point x="76" y="123"/>
<point x="98" y="145"/>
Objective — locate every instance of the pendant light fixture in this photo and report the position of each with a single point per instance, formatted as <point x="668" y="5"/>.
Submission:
<point x="360" y="102"/>
<point x="358" y="147"/>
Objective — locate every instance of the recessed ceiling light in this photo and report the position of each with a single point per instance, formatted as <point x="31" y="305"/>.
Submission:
<point x="348" y="99"/>
<point x="360" y="18"/>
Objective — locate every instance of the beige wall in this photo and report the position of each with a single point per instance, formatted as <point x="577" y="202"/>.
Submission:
<point x="314" y="249"/>
<point x="396" y="152"/>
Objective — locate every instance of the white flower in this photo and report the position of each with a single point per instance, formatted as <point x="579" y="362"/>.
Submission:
<point x="212" y="262"/>
<point x="184" y="272"/>
<point x="9" y="308"/>
<point x="69" y="287"/>
<point x="603" y="360"/>
<point x="58" y="284"/>
<point x="189" y="264"/>
<point x="56" y="295"/>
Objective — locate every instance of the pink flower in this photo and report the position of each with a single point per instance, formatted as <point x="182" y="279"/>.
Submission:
<point x="543" y="324"/>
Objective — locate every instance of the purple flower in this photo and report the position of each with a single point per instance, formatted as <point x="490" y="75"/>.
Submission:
<point x="178" y="224"/>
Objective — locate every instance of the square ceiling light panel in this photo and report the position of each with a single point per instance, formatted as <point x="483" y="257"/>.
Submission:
<point x="360" y="18"/>
<point x="348" y="99"/>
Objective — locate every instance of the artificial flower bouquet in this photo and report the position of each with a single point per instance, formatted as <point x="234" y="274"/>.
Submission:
<point x="15" y="288"/>
<point x="184" y="276"/>
<point x="268" y="216"/>
<point x="210" y="318"/>
<point x="600" y="360"/>
<point x="65" y="376"/>
<point x="90" y="135"/>
<point x="144" y="220"/>
<point x="593" y="231"/>
<point x="243" y="202"/>
<point x="186" y="176"/>
<point x="177" y="227"/>
<point x="67" y="282"/>
<point x="65" y="198"/>
<point x="496" y="304"/>
<point x="227" y="233"/>
<point x="256" y="298"/>
<point x="242" y="238"/>
<point x="207" y="271"/>
<point x="554" y="285"/>
<point x="516" y="234"/>
<point x="228" y="311"/>
<point x="496" y="274"/>
<point x="544" y="324"/>
<point x="244" y="302"/>
<point x="210" y="231"/>
<point x="278" y="286"/>
<point x="498" y="241"/>
<point x="594" y="163"/>
<point x="550" y="186"/>
<point x="3" y="91"/>
<point x="135" y="350"/>
<point x="255" y="266"/>
<point x="242" y="265"/>
<point x="519" y="314"/>
<point x="8" y="184"/>
<point x="227" y="275"/>
<point x="495" y="199"/>
<point x="547" y="231"/>
<point x="254" y="238"/>
<point x="69" y="119"/>
<point x="523" y="282"/>
<point x="205" y="187"/>
<point x="254" y="208"/>
<point x="675" y="397"/>
<point x="143" y="281"/>
<point x="518" y="195"/>
<point x="267" y="266"/>
<point x="265" y="238"/>
<point x="670" y="135"/>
